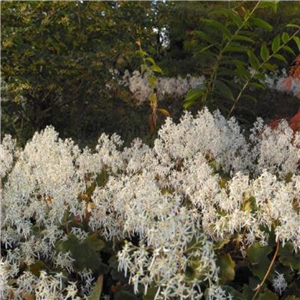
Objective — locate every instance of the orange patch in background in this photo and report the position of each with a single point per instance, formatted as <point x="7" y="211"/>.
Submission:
<point x="294" y="122"/>
<point x="295" y="68"/>
<point x="287" y="83"/>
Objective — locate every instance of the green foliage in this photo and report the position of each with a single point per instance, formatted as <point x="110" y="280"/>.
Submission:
<point x="288" y="258"/>
<point x="258" y="257"/>
<point x="57" y="59"/>
<point x="125" y="295"/>
<point x="267" y="295"/>
<point x="230" y="48"/>
<point x="85" y="253"/>
<point x="150" y="68"/>
<point x="151" y="292"/>
<point x="226" y="265"/>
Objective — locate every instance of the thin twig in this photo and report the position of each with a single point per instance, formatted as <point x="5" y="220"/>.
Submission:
<point x="268" y="271"/>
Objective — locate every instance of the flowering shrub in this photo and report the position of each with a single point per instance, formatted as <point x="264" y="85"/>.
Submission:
<point x="205" y="213"/>
<point x="177" y="88"/>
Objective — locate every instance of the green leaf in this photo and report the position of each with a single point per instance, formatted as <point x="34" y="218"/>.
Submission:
<point x="125" y="295"/>
<point x="267" y="295"/>
<point x="83" y="253"/>
<point x="264" y="53"/>
<point x="37" y="267"/>
<point x="268" y="4"/>
<point x="288" y="257"/>
<point x="204" y="36"/>
<point x="156" y="68"/>
<point x="227" y="268"/>
<point x="223" y="89"/>
<point x="292" y="297"/>
<point x="288" y="49"/>
<point x="219" y="26"/>
<point x="293" y="26"/>
<point x="97" y="290"/>
<point x="221" y="243"/>
<point x="152" y="81"/>
<point x="280" y="57"/>
<point x="254" y="62"/>
<point x="151" y="292"/>
<point x="276" y="43"/>
<point x="258" y="257"/>
<point x="193" y="95"/>
<point x="285" y="37"/>
<point x="248" y="289"/>
<point x="204" y="49"/>
<point x="234" y="47"/>
<point x="95" y="243"/>
<point x="244" y="38"/>
<point x="141" y="53"/>
<point x="270" y="67"/>
<point x="249" y="98"/>
<point x="247" y="292"/>
<point x="150" y="59"/>
<point x="261" y="23"/>
<point x="259" y="76"/>
<point x="297" y="41"/>
<point x="164" y="112"/>
<point x="194" y="270"/>
<point x="257" y="85"/>
<point x="233" y="15"/>
<point x="227" y="72"/>
<point x="144" y="68"/>
<point x="243" y="72"/>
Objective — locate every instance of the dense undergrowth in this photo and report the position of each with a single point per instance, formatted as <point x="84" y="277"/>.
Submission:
<point x="201" y="206"/>
<point x="205" y="212"/>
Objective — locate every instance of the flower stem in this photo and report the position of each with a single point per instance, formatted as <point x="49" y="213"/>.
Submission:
<point x="268" y="271"/>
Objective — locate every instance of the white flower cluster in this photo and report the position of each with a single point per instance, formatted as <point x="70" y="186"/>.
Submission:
<point x="201" y="182"/>
<point x="175" y="87"/>
<point x="279" y="283"/>
<point x="7" y="153"/>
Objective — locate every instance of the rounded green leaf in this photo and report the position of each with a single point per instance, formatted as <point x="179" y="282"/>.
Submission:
<point x="227" y="268"/>
<point x="267" y="295"/>
<point x="258" y="257"/>
<point x="288" y="257"/>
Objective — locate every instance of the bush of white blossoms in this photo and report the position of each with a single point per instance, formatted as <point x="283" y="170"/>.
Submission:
<point x="172" y="205"/>
<point x="177" y="87"/>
